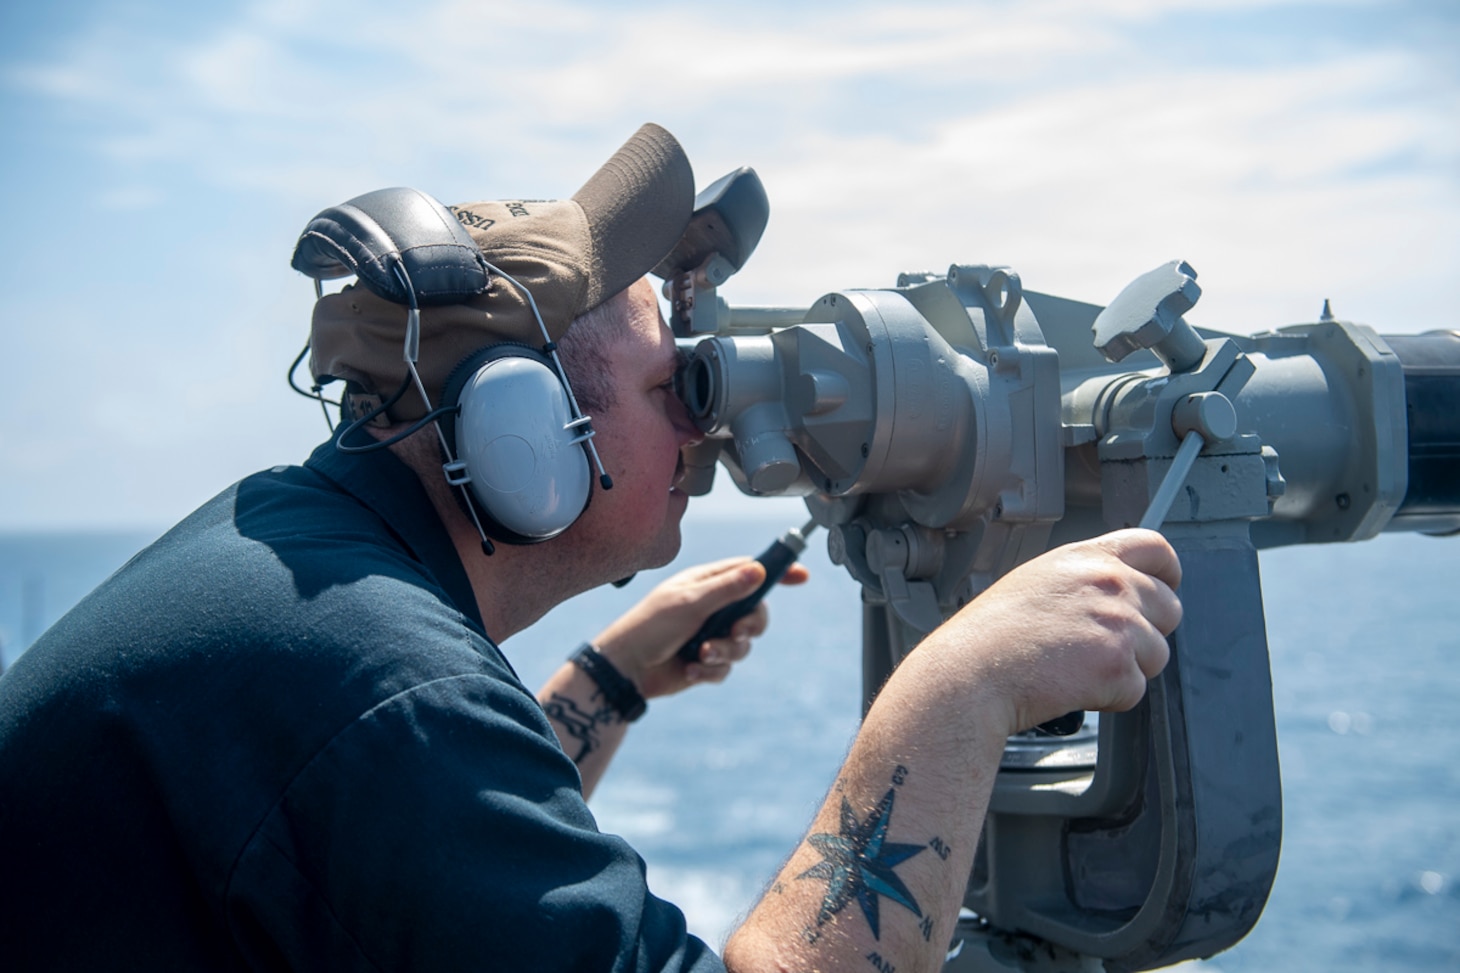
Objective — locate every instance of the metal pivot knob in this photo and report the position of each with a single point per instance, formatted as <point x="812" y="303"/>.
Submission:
<point x="1147" y="314"/>
<point x="1197" y="419"/>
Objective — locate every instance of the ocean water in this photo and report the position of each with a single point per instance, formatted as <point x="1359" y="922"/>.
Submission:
<point x="714" y="787"/>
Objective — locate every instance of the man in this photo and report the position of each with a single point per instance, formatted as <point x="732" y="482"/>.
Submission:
<point x="284" y="737"/>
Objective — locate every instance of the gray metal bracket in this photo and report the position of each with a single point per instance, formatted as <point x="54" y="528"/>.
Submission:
<point x="1177" y="861"/>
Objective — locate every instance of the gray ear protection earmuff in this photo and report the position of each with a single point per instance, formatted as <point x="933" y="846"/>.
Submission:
<point x="516" y="443"/>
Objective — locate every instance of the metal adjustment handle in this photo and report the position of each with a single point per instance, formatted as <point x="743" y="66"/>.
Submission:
<point x="1197" y="419"/>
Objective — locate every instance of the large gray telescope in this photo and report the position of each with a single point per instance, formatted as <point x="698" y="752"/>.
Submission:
<point x="956" y="425"/>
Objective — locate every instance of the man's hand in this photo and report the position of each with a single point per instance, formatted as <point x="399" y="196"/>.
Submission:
<point x="644" y="642"/>
<point x="644" y="646"/>
<point x="1080" y="627"/>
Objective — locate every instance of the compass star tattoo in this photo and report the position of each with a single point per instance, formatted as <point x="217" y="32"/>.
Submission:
<point x="858" y="864"/>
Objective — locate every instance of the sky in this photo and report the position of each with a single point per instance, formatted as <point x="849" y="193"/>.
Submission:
<point x="161" y="158"/>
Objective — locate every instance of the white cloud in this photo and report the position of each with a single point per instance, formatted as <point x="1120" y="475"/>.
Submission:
<point x="1281" y="178"/>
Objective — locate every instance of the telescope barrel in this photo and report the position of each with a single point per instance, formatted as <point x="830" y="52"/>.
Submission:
<point x="1432" y="403"/>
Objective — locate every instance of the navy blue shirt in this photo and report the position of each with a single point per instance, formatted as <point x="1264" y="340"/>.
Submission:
<point x="280" y="738"/>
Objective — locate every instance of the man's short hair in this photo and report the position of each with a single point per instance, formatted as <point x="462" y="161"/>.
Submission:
<point x="584" y="349"/>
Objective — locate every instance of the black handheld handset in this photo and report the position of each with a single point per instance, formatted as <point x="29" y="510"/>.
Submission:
<point x="1063" y="726"/>
<point x="777" y="558"/>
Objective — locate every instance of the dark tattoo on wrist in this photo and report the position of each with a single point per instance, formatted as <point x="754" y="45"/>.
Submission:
<point x="581" y="725"/>
<point x="879" y="964"/>
<point x="858" y="864"/>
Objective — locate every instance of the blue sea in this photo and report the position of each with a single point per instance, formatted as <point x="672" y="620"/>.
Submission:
<point x="715" y="786"/>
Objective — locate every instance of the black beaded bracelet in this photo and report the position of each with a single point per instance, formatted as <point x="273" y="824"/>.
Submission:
<point x="617" y="690"/>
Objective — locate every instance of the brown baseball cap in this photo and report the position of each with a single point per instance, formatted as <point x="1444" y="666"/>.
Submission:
<point x="571" y="254"/>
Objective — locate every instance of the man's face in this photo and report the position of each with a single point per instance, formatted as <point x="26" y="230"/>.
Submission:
<point x="636" y="524"/>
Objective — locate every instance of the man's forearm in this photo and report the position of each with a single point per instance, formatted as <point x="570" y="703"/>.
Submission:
<point x="877" y="883"/>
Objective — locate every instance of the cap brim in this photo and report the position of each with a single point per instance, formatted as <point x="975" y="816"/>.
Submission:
<point x="638" y="205"/>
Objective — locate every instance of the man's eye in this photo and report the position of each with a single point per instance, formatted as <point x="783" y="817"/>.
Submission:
<point x="677" y="383"/>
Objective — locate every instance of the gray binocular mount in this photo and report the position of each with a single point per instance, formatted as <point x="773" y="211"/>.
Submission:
<point x="956" y="425"/>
